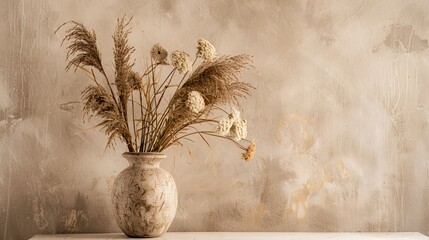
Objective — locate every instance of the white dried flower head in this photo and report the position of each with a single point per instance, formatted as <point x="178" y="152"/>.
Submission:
<point x="181" y="61"/>
<point x="159" y="54"/>
<point x="195" y="102"/>
<point x="224" y="126"/>
<point x="205" y="50"/>
<point x="239" y="130"/>
<point x="235" y="115"/>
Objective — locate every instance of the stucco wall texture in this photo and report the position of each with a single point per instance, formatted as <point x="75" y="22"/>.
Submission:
<point x="340" y="114"/>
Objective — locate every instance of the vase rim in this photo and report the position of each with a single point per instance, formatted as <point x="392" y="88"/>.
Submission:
<point x="143" y="154"/>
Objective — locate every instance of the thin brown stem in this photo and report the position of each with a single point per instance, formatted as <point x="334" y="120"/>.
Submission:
<point x="147" y="115"/>
<point x="152" y="67"/>
<point x="159" y="124"/>
<point x="219" y="108"/>
<point x="111" y="90"/>
<point x="134" y="118"/>
<point x="138" y="104"/>
<point x="228" y="138"/>
<point x="167" y="138"/>
<point x="209" y="133"/>
<point x="143" y="123"/>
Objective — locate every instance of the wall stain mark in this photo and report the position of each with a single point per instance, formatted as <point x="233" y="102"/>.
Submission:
<point x="299" y="128"/>
<point x="402" y="38"/>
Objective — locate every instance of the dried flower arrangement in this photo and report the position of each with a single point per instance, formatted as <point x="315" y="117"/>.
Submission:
<point x="134" y="108"/>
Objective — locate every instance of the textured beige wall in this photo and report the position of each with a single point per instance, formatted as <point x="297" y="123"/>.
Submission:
<point x="340" y="115"/>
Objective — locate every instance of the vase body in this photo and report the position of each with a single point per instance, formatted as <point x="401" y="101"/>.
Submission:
<point x="144" y="196"/>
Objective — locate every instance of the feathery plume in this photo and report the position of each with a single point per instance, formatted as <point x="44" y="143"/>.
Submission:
<point x="82" y="50"/>
<point x="122" y="55"/>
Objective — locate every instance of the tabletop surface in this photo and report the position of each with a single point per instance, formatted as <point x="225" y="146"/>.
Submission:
<point x="244" y="235"/>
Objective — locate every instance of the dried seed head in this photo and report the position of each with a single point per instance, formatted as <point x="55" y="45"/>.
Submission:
<point x="181" y="61"/>
<point x="195" y="102"/>
<point x="224" y="126"/>
<point x="235" y="115"/>
<point x="205" y="50"/>
<point x="239" y="130"/>
<point x="250" y="152"/>
<point x="159" y="54"/>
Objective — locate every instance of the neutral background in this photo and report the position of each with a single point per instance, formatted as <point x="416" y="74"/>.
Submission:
<point x="340" y="116"/>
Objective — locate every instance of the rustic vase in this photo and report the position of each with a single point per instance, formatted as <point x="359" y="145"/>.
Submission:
<point x="144" y="196"/>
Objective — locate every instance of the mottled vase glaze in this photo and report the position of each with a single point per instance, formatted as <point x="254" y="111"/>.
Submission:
<point x="144" y="196"/>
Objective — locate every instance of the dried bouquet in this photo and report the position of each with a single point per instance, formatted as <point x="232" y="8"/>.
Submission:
<point x="134" y="107"/>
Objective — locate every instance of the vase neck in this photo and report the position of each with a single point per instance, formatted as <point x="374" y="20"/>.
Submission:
<point x="144" y="159"/>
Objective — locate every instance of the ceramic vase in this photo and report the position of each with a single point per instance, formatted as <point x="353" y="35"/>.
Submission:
<point x="144" y="196"/>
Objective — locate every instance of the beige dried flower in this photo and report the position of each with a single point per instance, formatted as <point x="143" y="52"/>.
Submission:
<point x="224" y="126"/>
<point x="250" y="151"/>
<point x="239" y="130"/>
<point x="235" y="115"/>
<point x="181" y="61"/>
<point x="195" y="102"/>
<point x="159" y="54"/>
<point x="206" y="50"/>
<point x="233" y="126"/>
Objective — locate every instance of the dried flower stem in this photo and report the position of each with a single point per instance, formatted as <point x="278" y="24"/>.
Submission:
<point x="111" y="90"/>
<point x="208" y="133"/>
<point x="142" y="143"/>
<point x="155" y="133"/>
<point x="134" y="122"/>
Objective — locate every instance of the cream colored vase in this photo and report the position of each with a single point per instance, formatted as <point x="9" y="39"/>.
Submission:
<point x="144" y="196"/>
